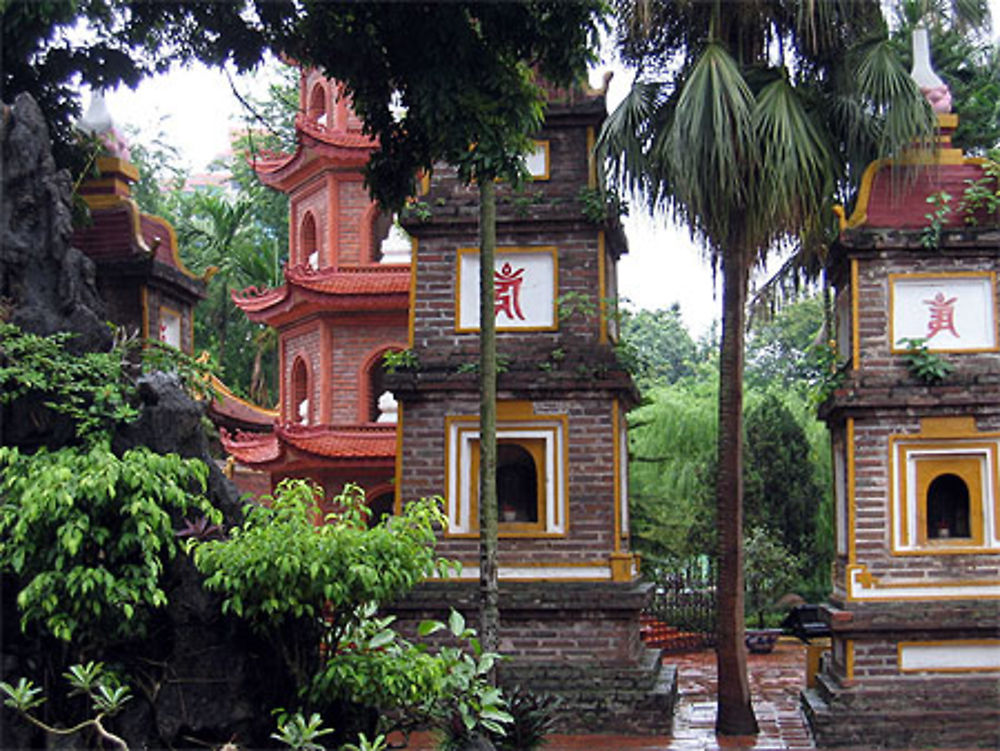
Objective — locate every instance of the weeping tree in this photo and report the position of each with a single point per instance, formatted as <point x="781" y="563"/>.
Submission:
<point x="746" y="121"/>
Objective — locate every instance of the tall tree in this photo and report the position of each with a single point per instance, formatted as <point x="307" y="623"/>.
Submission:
<point x="745" y="120"/>
<point x="661" y="347"/>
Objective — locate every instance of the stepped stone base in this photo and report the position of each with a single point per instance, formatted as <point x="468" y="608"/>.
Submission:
<point x="919" y="713"/>
<point x="603" y="699"/>
<point x="863" y="697"/>
<point x="578" y="641"/>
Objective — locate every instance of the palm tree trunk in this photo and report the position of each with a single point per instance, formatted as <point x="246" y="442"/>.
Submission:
<point x="735" y="712"/>
<point x="488" y="579"/>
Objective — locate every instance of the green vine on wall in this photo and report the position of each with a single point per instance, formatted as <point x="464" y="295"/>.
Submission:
<point x="924" y="365"/>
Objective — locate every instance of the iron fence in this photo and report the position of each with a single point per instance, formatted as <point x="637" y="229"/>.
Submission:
<point x="682" y="610"/>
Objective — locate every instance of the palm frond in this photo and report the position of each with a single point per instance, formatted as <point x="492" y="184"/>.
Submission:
<point x="624" y="139"/>
<point x="893" y="97"/>
<point x="711" y="145"/>
<point x="796" y="163"/>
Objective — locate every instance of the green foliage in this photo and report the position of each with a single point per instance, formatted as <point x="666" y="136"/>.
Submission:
<point x="671" y="452"/>
<point x="780" y="488"/>
<point x="229" y="236"/>
<point x="570" y="304"/>
<point x="469" y="705"/>
<point x="660" y="346"/>
<point x="830" y="372"/>
<point x="771" y="571"/>
<point x="983" y="195"/>
<point x="280" y="563"/>
<point x="96" y="390"/>
<point x="300" y="734"/>
<point x="403" y="360"/>
<point x="532" y="718"/>
<point x="419" y="210"/>
<point x="107" y="695"/>
<point x="785" y="350"/>
<point x="924" y="365"/>
<point x="599" y="205"/>
<point x="23" y="696"/>
<point x="87" y="532"/>
<point x="90" y="388"/>
<point x="311" y="583"/>
<point x="787" y="475"/>
<point x="160" y="177"/>
<point x="940" y="203"/>
<point x="378" y="744"/>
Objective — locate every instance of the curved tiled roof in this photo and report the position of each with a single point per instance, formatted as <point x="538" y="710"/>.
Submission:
<point x="356" y="442"/>
<point x="251" y="448"/>
<point x="362" y="280"/>
<point x="225" y="405"/>
<point x="333" y="137"/>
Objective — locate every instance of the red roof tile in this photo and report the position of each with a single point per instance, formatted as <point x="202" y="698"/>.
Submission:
<point x="373" y="279"/>
<point x="359" y="442"/>
<point x="251" y="448"/>
<point x="355" y="442"/>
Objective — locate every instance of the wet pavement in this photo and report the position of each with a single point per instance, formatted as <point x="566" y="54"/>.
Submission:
<point x="775" y="682"/>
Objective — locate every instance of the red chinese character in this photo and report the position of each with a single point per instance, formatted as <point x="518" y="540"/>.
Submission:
<point x="942" y="315"/>
<point x="163" y="332"/>
<point x="507" y="291"/>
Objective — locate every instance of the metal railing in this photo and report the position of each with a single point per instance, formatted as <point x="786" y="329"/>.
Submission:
<point x="681" y="614"/>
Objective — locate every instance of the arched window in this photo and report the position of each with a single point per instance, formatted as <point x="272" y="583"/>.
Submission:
<point x="947" y="508"/>
<point x="300" y="392"/>
<point x="380" y="226"/>
<point x="308" y="241"/>
<point x="381" y="506"/>
<point x="317" y="105"/>
<point x="376" y="387"/>
<point x="517" y="484"/>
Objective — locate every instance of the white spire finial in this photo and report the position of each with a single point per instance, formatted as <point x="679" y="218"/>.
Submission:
<point x="97" y="119"/>
<point x="931" y="86"/>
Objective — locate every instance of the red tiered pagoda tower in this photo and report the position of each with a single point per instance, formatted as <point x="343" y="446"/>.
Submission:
<point x="344" y="303"/>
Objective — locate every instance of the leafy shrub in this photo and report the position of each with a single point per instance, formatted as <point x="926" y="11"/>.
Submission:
<point x="87" y="532"/>
<point x="532" y="718"/>
<point x="107" y="696"/>
<point x="313" y="583"/>
<point x="770" y="572"/>
<point x="926" y="366"/>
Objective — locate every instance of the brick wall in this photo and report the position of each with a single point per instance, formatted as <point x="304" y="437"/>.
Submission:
<point x="355" y="342"/>
<point x="303" y="341"/>
<point x="874" y="268"/>
<point x="353" y="203"/>
<point x="310" y="198"/>
<point x="591" y="524"/>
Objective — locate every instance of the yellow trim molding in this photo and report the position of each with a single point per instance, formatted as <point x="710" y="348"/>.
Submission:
<point x="949" y="656"/>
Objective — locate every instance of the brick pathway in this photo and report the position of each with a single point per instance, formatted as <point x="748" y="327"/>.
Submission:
<point x="775" y="682"/>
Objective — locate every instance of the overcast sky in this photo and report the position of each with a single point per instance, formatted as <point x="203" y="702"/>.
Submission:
<point x="196" y="109"/>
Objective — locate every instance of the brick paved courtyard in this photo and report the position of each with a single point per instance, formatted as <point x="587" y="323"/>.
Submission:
<point x="775" y="681"/>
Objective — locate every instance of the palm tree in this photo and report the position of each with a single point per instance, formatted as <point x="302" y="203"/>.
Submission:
<point x="217" y="231"/>
<point x="747" y="121"/>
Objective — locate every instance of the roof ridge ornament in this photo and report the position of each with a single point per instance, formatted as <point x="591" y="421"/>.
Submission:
<point x="931" y="86"/>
